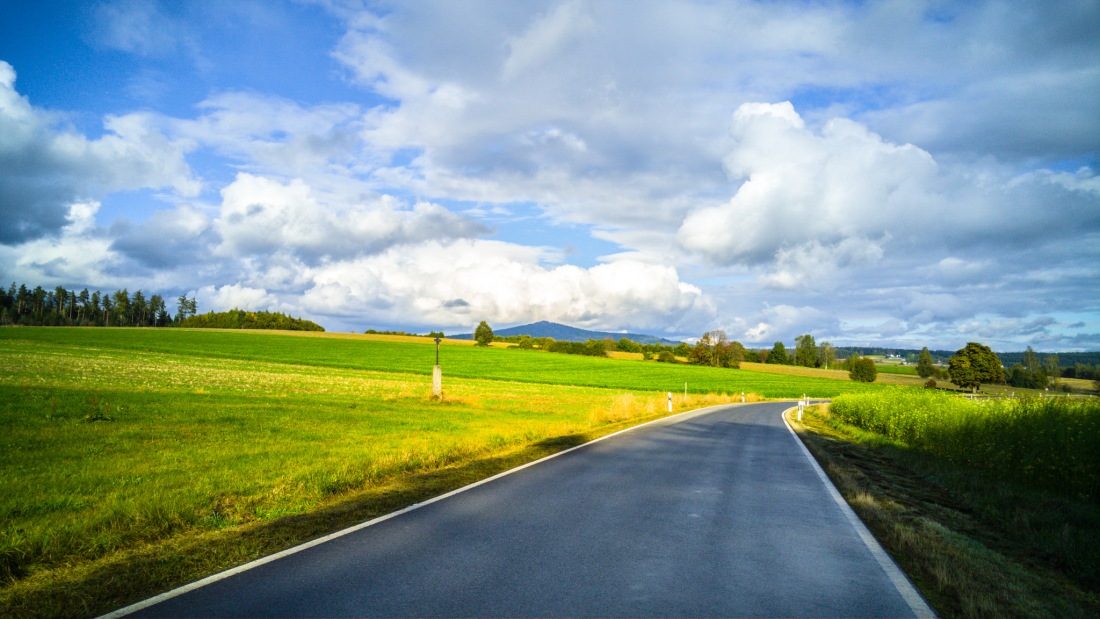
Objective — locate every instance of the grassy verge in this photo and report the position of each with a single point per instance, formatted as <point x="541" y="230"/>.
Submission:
<point x="975" y="545"/>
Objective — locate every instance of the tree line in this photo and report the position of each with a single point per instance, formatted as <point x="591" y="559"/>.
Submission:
<point x="969" y="367"/>
<point x="976" y="364"/>
<point x="484" y="335"/>
<point x="241" y="319"/>
<point x="20" y="305"/>
<point x="714" y="348"/>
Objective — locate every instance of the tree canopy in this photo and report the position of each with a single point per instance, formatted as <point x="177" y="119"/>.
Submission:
<point x="805" y="351"/>
<point x="1031" y="374"/>
<point x="714" y="349"/>
<point x="925" y="365"/>
<point x="862" y="369"/>
<point x="975" y="365"/>
<point x="59" y="306"/>
<point x="483" y="334"/>
<point x="241" y="319"/>
<point x="826" y="355"/>
<point x="778" y="355"/>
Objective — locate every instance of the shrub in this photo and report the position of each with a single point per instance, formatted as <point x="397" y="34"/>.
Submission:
<point x="666" y="357"/>
<point x="930" y="383"/>
<point x="863" y="370"/>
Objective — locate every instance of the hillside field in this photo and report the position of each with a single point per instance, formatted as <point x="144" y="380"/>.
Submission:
<point x="459" y="359"/>
<point x="139" y="459"/>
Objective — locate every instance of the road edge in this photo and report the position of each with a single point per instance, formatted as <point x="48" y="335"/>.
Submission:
<point x="909" y="592"/>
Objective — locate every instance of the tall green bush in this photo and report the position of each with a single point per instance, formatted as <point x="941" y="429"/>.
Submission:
<point x="863" y="370"/>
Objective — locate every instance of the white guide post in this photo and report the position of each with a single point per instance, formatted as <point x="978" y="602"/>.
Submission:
<point x="437" y="373"/>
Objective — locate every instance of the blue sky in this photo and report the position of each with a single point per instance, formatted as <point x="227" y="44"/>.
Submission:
<point x="888" y="173"/>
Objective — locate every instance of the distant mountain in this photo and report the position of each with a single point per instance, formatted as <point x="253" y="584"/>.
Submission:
<point x="565" y="333"/>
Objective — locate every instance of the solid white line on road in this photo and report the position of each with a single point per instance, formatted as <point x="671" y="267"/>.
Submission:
<point x="167" y="595"/>
<point x="905" y="587"/>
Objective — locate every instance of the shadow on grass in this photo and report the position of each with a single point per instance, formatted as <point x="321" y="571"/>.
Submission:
<point x="136" y="574"/>
<point x="561" y="443"/>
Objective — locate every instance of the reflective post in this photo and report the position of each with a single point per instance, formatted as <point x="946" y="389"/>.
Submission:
<point x="437" y="374"/>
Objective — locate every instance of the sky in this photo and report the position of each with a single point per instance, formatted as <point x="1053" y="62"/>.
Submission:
<point x="896" y="173"/>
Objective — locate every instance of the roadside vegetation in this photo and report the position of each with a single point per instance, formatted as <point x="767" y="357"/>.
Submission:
<point x="1048" y="443"/>
<point x="991" y="507"/>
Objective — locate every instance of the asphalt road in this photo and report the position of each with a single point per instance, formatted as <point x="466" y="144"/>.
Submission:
<point x="718" y="514"/>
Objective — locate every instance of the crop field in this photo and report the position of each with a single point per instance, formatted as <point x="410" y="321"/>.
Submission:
<point x="117" y="442"/>
<point x="887" y="368"/>
<point x="1049" y="443"/>
<point x="884" y="378"/>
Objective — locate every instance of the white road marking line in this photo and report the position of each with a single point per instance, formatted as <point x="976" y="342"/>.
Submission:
<point x="901" y="582"/>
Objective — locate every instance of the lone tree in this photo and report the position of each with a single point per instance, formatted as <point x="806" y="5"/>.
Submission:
<point x="778" y="355"/>
<point x="974" y="365"/>
<point x="862" y="369"/>
<point x="925" y="365"/>
<point x="805" y="351"/>
<point x="826" y="355"/>
<point x="483" y="334"/>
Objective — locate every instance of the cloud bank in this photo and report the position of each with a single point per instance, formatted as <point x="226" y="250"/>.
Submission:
<point x="893" y="173"/>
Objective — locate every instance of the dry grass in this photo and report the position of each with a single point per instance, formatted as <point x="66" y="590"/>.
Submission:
<point x="794" y="370"/>
<point x="1079" y="385"/>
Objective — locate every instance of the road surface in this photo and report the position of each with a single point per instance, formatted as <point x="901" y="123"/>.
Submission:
<point x="719" y="513"/>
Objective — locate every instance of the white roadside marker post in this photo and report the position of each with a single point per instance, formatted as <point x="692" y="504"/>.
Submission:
<point x="437" y="374"/>
<point x="670" y="401"/>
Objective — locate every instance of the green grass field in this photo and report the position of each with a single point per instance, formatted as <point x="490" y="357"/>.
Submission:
<point x="458" y="360"/>
<point x="121" y="443"/>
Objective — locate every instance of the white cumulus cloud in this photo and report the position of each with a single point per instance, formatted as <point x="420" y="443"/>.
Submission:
<point x="46" y="166"/>
<point x="801" y="186"/>
<point x="451" y="284"/>
<point x="260" y="215"/>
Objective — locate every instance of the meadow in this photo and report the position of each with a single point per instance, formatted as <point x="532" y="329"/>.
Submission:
<point x="138" y="459"/>
<point x="458" y="358"/>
